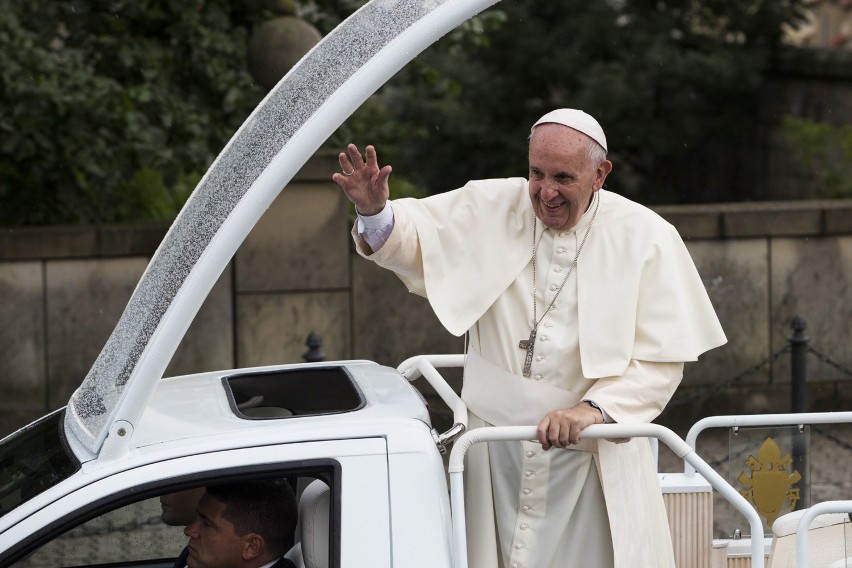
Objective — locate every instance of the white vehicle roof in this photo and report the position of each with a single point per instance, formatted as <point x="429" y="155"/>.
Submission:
<point x="290" y="402"/>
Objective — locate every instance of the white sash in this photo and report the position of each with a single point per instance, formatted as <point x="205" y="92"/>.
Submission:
<point x="504" y="399"/>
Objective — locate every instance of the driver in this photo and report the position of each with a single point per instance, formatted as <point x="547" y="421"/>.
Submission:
<point x="246" y="524"/>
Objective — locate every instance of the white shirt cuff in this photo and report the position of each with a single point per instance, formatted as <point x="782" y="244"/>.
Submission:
<point x="375" y="229"/>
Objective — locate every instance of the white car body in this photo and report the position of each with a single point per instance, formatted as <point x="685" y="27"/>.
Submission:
<point x="387" y="475"/>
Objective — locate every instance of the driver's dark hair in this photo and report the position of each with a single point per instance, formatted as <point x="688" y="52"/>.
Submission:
<point x="266" y="507"/>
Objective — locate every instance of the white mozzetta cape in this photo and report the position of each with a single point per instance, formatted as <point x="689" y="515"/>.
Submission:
<point x="639" y="294"/>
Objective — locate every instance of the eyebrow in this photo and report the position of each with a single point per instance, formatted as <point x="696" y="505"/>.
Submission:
<point x="204" y="517"/>
<point x="560" y="173"/>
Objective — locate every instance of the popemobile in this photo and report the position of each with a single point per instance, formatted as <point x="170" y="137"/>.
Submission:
<point x="82" y="486"/>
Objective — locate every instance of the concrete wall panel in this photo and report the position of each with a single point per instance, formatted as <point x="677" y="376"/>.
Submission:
<point x="273" y="327"/>
<point x="389" y="323"/>
<point x="737" y="280"/>
<point x="301" y="242"/>
<point x="813" y="278"/>
<point x="209" y="342"/>
<point x="22" y="364"/>
<point x="85" y="299"/>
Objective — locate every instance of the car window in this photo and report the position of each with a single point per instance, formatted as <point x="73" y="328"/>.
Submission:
<point x="128" y="534"/>
<point x="137" y="534"/>
<point x="33" y="460"/>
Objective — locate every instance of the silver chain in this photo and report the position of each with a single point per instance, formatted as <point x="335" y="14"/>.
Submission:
<point x="537" y="321"/>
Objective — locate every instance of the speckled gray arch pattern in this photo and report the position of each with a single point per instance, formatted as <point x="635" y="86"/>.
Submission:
<point x="291" y="104"/>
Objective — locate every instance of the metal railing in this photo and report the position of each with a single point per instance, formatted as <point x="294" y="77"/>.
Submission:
<point x="661" y="433"/>
<point x="425" y="366"/>
<point x="810" y="514"/>
<point x="789" y="419"/>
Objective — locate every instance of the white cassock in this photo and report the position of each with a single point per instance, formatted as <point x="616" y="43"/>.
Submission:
<point x="618" y="333"/>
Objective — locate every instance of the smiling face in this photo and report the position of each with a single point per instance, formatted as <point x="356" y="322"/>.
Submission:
<point x="563" y="179"/>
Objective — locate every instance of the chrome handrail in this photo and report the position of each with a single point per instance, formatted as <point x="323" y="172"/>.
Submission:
<point x="789" y="419"/>
<point x="810" y="514"/>
<point x="672" y="440"/>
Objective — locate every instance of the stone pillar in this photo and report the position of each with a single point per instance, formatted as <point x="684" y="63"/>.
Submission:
<point x="276" y="45"/>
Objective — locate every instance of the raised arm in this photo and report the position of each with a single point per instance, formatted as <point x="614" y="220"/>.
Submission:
<point x="363" y="182"/>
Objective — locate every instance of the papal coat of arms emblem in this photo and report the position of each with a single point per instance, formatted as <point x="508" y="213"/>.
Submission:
<point x="770" y="483"/>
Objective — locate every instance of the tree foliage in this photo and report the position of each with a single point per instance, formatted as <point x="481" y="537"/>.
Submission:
<point x="668" y="80"/>
<point x="111" y="110"/>
<point x="825" y="150"/>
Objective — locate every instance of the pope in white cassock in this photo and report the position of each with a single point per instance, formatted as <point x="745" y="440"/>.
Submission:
<point x="581" y="307"/>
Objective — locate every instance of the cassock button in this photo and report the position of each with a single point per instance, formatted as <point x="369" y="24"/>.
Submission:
<point x="553" y="286"/>
<point x="538" y="377"/>
<point x="524" y="526"/>
<point x="560" y="250"/>
<point x="539" y="357"/>
<point x="519" y="547"/>
<point x="526" y="508"/>
<point x="529" y="473"/>
<point x="544" y="338"/>
<point x="561" y="234"/>
<point x="527" y="491"/>
<point x="531" y="453"/>
<point x="557" y="269"/>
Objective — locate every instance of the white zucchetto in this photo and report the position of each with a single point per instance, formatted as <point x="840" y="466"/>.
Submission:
<point x="578" y="120"/>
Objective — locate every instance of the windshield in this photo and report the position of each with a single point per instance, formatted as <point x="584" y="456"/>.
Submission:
<point x="34" y="459"/>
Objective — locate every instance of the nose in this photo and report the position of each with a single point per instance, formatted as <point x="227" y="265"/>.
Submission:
<point x="547" y="192"/>
<point x="191" y="530"/>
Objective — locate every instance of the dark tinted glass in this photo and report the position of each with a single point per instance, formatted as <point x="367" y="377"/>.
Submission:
<point x="33" y="460"/>
<point x="294" y="392"/>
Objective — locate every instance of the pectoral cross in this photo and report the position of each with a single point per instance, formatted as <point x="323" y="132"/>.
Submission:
<point x="528" y="344"/>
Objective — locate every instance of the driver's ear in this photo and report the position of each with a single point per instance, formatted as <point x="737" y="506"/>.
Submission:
<point x="253" y="546"/>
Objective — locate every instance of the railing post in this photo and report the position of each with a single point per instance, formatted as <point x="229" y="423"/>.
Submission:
<point x="314" y="354"/>
<point x="799" y="403"/>
<point x="798" y="365"/>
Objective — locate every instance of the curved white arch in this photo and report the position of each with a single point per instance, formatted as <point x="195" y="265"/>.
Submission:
<point x="282" y="133"/>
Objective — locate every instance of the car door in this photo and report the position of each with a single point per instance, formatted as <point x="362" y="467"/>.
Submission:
<point x="116" y="519"/>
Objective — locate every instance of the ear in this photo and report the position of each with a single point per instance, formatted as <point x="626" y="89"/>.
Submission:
<point x="600" y="175"/>
<point x="253" y="546"/>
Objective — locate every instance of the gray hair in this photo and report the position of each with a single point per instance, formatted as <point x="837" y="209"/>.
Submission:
<point x="594" y="151"/>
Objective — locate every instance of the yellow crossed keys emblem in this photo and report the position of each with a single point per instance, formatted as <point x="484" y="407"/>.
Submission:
<point x="771" y="483"/>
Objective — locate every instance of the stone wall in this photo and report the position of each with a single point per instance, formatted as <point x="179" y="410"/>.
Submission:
<point x="764" y="263"/>
<point x="63" y="289"/>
